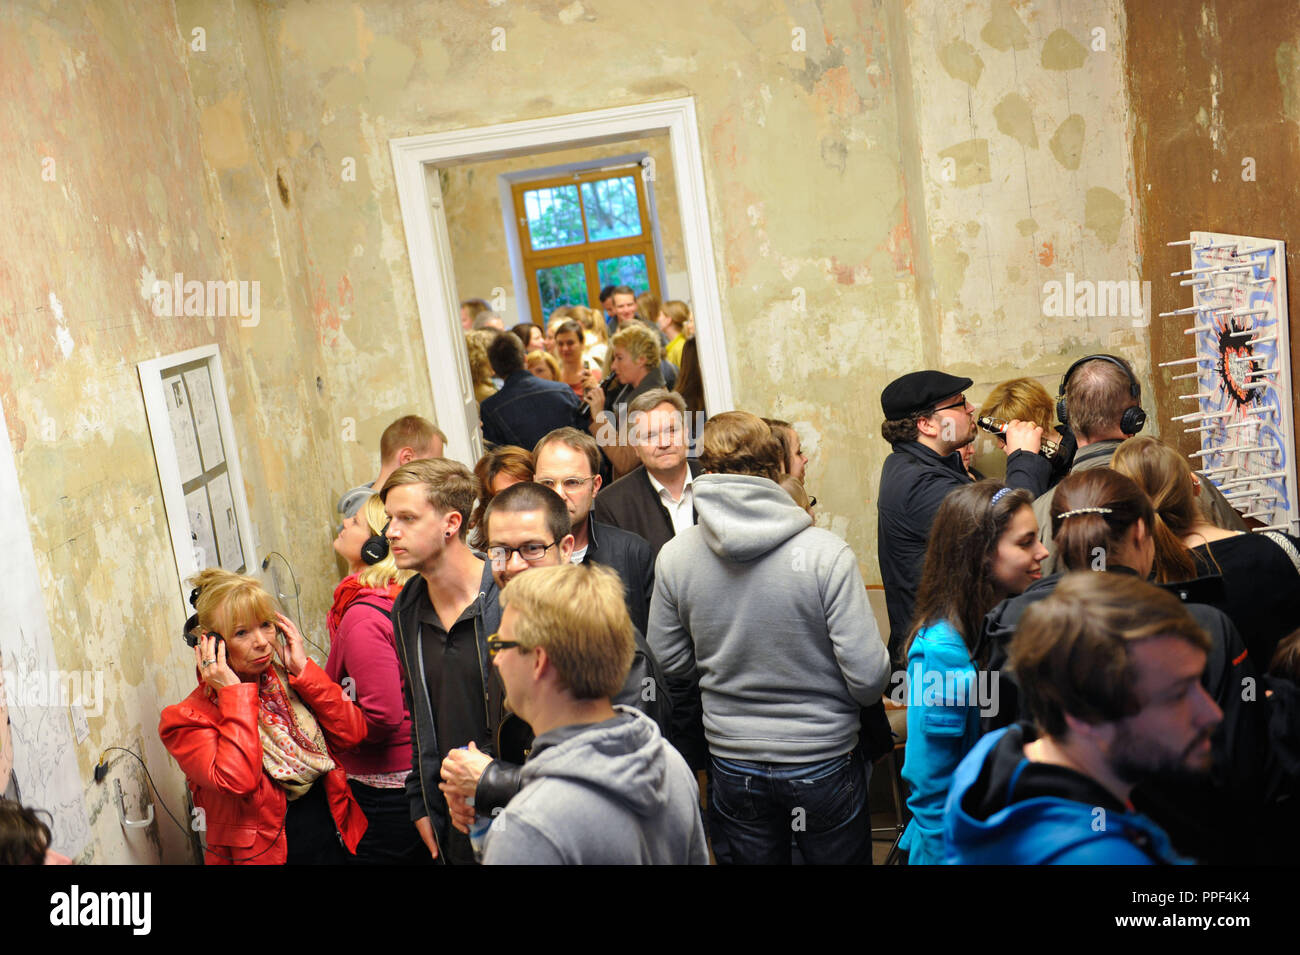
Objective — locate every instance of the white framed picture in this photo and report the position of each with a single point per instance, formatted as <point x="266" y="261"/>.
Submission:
<point x="198" y="465"/>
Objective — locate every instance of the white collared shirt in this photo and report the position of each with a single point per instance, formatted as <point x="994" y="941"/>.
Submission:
<point x="679" y="512"/>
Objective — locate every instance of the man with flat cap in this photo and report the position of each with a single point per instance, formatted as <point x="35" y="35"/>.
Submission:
<point x="927" y="420"/>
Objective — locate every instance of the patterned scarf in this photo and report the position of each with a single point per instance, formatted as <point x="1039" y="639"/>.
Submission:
<point x="293" y="746"/>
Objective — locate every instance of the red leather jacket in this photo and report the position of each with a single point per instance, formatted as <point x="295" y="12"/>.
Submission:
<point x="218" y="747"/>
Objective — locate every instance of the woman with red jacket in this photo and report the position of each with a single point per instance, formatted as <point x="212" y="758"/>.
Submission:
<point x="363" y="659"/>
<point x="257" y="739"/>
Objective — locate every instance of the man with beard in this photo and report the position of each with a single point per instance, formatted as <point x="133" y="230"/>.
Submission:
<point x="1110" y="670"/>
<point x="928" y="419"/>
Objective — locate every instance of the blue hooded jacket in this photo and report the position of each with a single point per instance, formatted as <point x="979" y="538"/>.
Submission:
<point x="1041" y="829"/>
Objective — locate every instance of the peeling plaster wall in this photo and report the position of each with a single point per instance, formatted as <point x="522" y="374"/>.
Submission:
<point x="106" y="98"/>
<point x="845" y="256"/>
<point x="799" y="126"/>
<point x="1023" y="132"/>
<point x="1212" y="87"/>
<point x="163" y="160"/>
<point x="472" y="204"/>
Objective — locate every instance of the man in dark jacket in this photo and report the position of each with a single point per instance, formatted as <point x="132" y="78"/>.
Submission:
<point x="526" y="407"/>
<point x="441" y="622"/>
<point x="526" y="527"/>
<point x="565" y="462"/>
<point x="640" y="502"/>
<point x="927" y="419"/>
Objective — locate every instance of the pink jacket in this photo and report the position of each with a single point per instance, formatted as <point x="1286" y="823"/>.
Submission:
<point x="363" y="660"/>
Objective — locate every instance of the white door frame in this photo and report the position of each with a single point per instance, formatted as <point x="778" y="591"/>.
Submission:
<point x="429" y="246"/>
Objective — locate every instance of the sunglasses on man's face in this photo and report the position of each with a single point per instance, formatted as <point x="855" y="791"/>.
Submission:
<point x="495" y="645"/>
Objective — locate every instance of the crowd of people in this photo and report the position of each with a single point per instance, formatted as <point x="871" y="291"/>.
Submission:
<point x="617" y="616"/>
<point x="559" y="655"/>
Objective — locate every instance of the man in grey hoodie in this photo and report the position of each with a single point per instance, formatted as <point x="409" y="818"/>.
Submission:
<point x="770" y="615"/>
<point x="601" y="785"/>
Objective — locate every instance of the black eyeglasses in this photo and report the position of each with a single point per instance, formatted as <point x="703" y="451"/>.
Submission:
<point x="961" y="403"/>
<point x="495" y="645"/>
<point x="532" y="552"/>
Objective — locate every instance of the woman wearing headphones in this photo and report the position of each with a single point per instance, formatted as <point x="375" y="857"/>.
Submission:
<point x="363" y="660"/>
<point x="258" y="738"/>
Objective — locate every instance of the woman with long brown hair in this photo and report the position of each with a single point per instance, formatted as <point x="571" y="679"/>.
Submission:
<point x="984" y="548"/>
<point x="1261" y="572"/>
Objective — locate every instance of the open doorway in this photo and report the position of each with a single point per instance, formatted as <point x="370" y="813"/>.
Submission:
<point x="531" y="233"/>
<point x="419" y="162"/>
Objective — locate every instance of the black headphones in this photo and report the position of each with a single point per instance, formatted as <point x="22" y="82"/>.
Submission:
<point x="192" y="631"/>
<point x="1133" y="419"/>
<point x="375" y="548"/>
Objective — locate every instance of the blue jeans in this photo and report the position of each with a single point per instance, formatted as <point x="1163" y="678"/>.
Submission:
<point x="755" y="809"/>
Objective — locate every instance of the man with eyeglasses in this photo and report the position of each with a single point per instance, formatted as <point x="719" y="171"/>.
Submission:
<point x="927" y="420"/>
<point x="567" y="461"/>
<point x="526" y="527"/>
<point x="601" y="786"/>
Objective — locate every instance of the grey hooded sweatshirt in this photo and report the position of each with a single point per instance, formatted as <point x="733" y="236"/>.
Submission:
<point x="609" y="793"/>
<point x="772" y="615"/>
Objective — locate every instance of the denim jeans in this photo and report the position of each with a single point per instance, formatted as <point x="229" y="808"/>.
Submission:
<point x="755" y="809"/>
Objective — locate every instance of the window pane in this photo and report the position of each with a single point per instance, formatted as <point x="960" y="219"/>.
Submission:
<point x="554" y="218"/>
<point x="612" y="211"/>
<point x="561" y="285"/>
<point x="626" y="270"/>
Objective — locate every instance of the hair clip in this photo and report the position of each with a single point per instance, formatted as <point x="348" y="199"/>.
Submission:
<point x="999" y="495"/>
<point x="1084" y="510"/>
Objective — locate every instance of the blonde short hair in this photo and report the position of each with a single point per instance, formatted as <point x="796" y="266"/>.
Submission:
<point x="547" y="359"/>
<point x="577" y="613"/>
<point x="226" y="600"/>
<point x="384" y="572"/>
<point x="1020" y="399"/>
<point x="639" y="342"/>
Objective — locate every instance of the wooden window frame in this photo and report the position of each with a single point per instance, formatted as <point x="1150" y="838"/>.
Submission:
<point x="585" y="253"/>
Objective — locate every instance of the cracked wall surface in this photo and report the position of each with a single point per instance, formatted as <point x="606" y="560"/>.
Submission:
<point x="890" y="184"/>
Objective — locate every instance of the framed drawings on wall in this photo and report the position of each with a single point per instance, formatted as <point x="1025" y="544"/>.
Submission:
<point x="198" y="464"/>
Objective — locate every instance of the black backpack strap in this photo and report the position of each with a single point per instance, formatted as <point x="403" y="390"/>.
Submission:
<point x="363" y="603"/>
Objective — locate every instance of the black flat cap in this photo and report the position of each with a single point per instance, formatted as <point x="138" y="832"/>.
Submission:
<point x="919" y="391"/>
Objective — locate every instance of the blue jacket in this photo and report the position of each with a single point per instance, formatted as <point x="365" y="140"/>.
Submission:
<point x="985" y="825"/>
<point x="943" y="725"/>
<point x="528" y="408"/>
<point x="913" y="483"/>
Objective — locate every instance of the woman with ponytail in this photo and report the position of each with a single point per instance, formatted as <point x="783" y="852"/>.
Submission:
<point x="258" y="737"/>
<point x="1260" y="571"/>
<point x="363" y="659"/>
<point x="984" y="547"/>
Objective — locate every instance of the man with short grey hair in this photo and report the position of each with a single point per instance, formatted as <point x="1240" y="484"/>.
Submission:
<point x="655" y="500"/>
